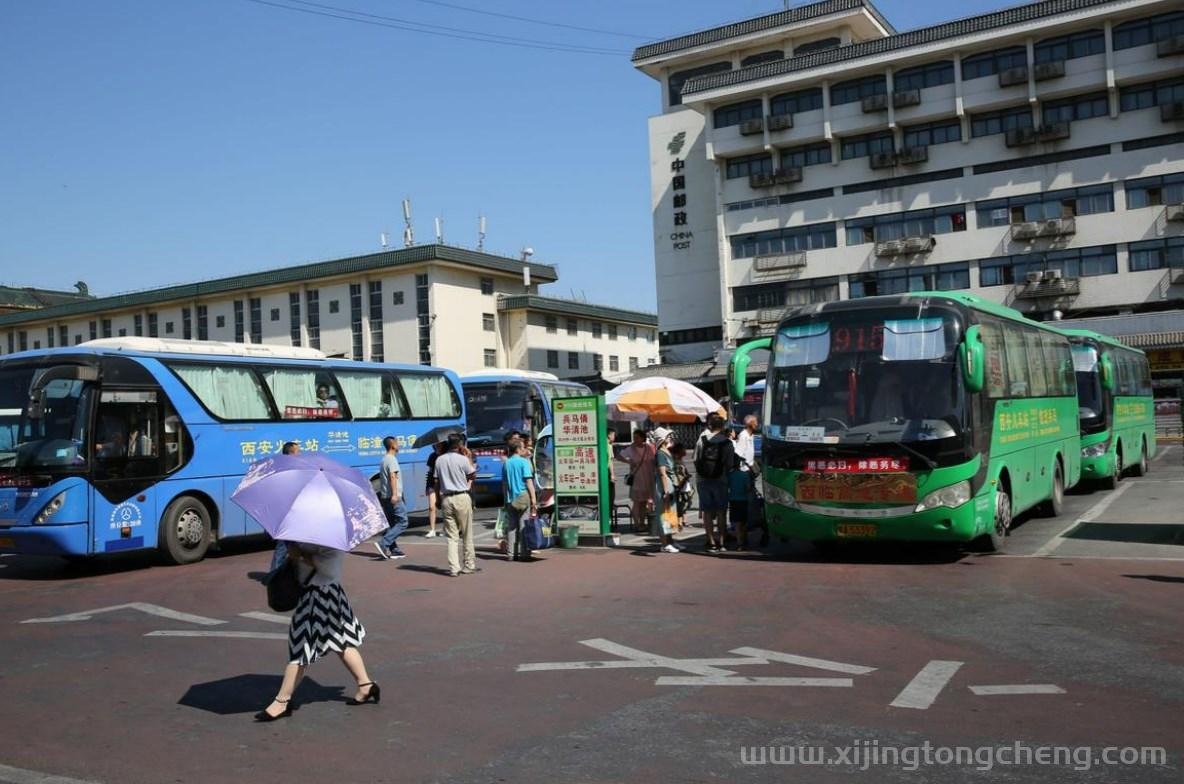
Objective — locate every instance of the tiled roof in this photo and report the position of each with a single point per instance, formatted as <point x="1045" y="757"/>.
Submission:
<point x="695" y="372"/>
<point x="569" y="307"/>
<point x="28" y="298"/>
<point x="288" y="275"/>
<point x="1017" y="15"/>
<point x="1154" y="340"/>
<point x="771" y="21"/>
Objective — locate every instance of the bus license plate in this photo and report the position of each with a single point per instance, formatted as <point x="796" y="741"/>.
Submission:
<point x="855" y="530"/>
<point x="7" y="541"/>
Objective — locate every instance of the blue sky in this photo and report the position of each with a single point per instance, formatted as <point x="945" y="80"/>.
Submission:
<point x="150" y="142"/>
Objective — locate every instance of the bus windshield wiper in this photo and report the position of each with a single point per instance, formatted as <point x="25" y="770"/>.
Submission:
<point x="932" y="464"/>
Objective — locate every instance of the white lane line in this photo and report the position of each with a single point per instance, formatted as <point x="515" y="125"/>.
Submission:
<point x="743" y="680"/>
<point x="1106" y="557"/>
<point x="803" y="661"/>
<point x="625" y="652"/>
<point x="1018" y="688"/>
<point x="622" y="664"/>
<point x="1090" y="515"/>
<point x="269" y="617"/>
<point x="235" y="635"/>
<point x="11" y="775"/>
<point x="151" y="609"/>
<point x="1162" y="453"/>
<point x="926" y="685"/>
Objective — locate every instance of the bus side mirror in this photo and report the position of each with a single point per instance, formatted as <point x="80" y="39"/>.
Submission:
<point x="37" y="403"/>
<point x="738" y="367"/>
<point x="529" y="409"/>
<point x="973" y="359"/>
<point x="1107" y="373"/>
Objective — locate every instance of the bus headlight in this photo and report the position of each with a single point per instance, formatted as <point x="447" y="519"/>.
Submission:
<point x="952" y="496"/>
<point x="777" y="495"/>
<point x="49" y="509"/>
<point x="1094" y="450"/>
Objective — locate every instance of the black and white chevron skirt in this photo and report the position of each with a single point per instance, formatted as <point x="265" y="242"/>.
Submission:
<point x="323" y="622"/>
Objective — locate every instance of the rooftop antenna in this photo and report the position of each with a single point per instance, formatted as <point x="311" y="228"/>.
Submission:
<point x="408" y="230"/>
<point x="382" y="239"/>
<point x="527" y="252"/>
<point x="439" y="231"/>
<point x="480" y="232"/>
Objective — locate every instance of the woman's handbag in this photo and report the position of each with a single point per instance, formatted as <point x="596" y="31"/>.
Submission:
<point x="669" y="520"/>
<point x="284" y="588"/>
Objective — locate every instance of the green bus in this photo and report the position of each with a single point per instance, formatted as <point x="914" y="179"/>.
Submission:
<point x="914" y="417"/>
<point x="1117" y="407"/>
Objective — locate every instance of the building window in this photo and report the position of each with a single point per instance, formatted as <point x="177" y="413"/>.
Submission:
<point x="573" y="360"/>
<point x="138" y="325"/>
<point x="355" y="319"/>
<point x="922" y="76"/>
<point x="1140" y="32"/>
<point x="915" y="223"/>
<point x="1149" y="94"/>
<point x="203" y="322"/>
<point x="220" y="322"/>
<point x="632" y="333"/>
<point x="990" y="63"/>
<point x="810" y="237"/>
<point x="771" y="56"/>
<point x="397" y="298"/>
<point x="77" y="339"/>
<point x="552" y="359"/>
<point x="612" y="331"/>
<point x="94" y="330"/>
<point x="614" y="363"/>
<point x="240" y="323"/>
<point x="312" y="300"/>
<point x="857" y="89"/>
<point x="153" y="325"/>
<point x="490" y="357"/>
<point x="122" y="333"/>
<point x="944" y="277"/>
<point x="168" y="328"/>
<point x="933" y="133"/>
<point x="256" y="320"/>
<point x="573" y="327"/>
<point x="1075" y="263"/>
<point x="11" y="343"/>
<point x="1000" y="122"/>
<point x="816" y="46"/>
<point x="334" y="306"/>
<point x="487" y="322"/>
<point x="423" y="315"/>
<point x="677" y="80"/>
<point x="795" y="102"/>
<point x="682" y="337"/>
<point x="187" y="323"/>
<point x="597" y="329"/>
<point x="23" y="340"/>
<point x="746" y="165"/>
<point x="1154" y="191"/>
<point x="49" y="336"/>
<point x="1156" y="254"/>
<point x="736" y="113"/>
<point x="1045" y="206"/>
<point x="63" y="336"/>
<point x="1068" y="47"/>
<point x="377" y="350"/>
<point x="486" y="285"/>
<point x="106" y="328"/>
<point x="1080" y="107"/>
<point x="552" y="323"/>
<point x="806" y="155"/>
<point x="294" y="317"/>
<point x="779" y="295"/>
<point x="633" y="363"/>
<point x="598" y="363"/>
<point x="869" y="144"/>
<point x="275" y="314"/>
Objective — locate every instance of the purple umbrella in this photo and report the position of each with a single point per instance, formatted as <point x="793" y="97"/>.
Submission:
<point x="312" y="499"/>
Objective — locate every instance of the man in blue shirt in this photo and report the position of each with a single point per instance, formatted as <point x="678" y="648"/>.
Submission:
<point x="518" y="491"/>
<point x="390" y="495"/>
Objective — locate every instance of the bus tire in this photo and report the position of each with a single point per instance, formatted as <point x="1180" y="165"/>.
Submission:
<point x="1056" y="502"/>
<point x="1140" y="468"/>
<point x="1001" y="525"/>
<point x="185" y="530"/>
<point x="1111" y="482"/>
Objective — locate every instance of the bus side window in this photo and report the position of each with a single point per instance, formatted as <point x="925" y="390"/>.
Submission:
<point x="177" y="447"/>
<point x="127" y="437"/>
<point x="996" y="359"/>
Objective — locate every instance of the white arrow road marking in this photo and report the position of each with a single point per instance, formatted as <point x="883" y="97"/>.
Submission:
<point x="804" y="661"/>
<point x="743" y="680"/>
<point x="151" y="609"/>
<point x="235" y="635"/>
<point x="1018" y="688"/>
<point x="622" y="664"/>
<point x="269" y="617"/>
<point x="926" y="685"/>
<point x="682" y="665"/>
<point x="10" y="775"/>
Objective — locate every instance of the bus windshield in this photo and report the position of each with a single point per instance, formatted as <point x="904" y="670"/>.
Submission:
<point x="494" y="409"/>
<point x="864" y="377"/>
<point x="1091" y="401"/>
<point x="54" y="441"/>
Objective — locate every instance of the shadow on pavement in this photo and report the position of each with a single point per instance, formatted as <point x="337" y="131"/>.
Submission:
<point x="1155" y="578"/>
<point x="251" y="693"/>
<point x="1136" y="533"/>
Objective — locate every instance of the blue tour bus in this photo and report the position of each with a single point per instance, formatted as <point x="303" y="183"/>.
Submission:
<point x="499" y="401"/>
<point x="134" y="443"/>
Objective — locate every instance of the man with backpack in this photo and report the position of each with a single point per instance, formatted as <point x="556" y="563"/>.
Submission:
<point x="714" y="456"/>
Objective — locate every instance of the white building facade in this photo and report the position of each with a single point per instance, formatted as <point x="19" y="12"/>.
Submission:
<point x="1032" y="156"/>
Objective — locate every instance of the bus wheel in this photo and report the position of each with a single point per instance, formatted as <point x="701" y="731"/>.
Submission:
<point x="1111" y="482"/>
<point x="1002" y="526"/>
<point x="1140" y="468"/>
<point x="1056" y="502"/>
<point x="185" y="530"/>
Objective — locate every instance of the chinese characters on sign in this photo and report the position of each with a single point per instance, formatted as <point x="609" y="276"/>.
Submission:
<point x="857" y="466"/>
<point x="579" y="447"/>
<point x="680" y="239"/>
<point x="575" y="470"/>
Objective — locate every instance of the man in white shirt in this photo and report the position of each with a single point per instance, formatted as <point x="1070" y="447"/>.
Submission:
<point x="745" y="445"/>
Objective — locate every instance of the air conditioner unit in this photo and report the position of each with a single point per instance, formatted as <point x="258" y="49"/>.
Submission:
<point x="1020" y="137"/>
<point x="1054" y="275"/>
<point x="919" y="244"/>
<point x="910" y="155"/>
<point x="890" y="248"/>
<point x="1045" y="71"/>
<point x="1034" y="277"/>
<point x="1025" y="231"/>
<point x="1013" y="76"/>
<point x="761" y="180"/>
<point x="1174" y="213"/>
<point x="882" y="160"/>
<point x="903" y="98"/>
<point x="874" y="103"/>
<point x="779" y="261"/>
<point x="752" y="127"/>
<point x="1170" y="46"/>
<point x="788" y="175"/>
<point x="1053" y="131"/>
<point x="1057" y="227"/>
<point x="779" y="122"/>
<point x="1171" y="112"/>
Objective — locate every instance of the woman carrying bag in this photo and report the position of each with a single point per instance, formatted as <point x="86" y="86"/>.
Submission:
<point x="665" y="517"/>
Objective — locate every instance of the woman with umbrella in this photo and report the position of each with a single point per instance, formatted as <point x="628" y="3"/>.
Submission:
<point x="322" y="509"/>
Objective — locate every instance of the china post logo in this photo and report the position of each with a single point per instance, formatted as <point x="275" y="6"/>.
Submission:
<point x="675" y="146"/>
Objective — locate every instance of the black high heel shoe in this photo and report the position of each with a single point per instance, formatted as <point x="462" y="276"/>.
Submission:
<point x="263" y="715"/>
<point x="374" y="695"/>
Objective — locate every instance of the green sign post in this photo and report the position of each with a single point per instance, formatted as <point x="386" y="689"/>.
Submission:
<point x="581" y="461"/>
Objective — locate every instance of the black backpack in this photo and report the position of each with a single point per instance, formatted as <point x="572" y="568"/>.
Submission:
<point x="710" y="462"/>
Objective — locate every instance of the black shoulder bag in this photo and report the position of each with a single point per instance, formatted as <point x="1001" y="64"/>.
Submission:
<point x="284" y="588"/>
